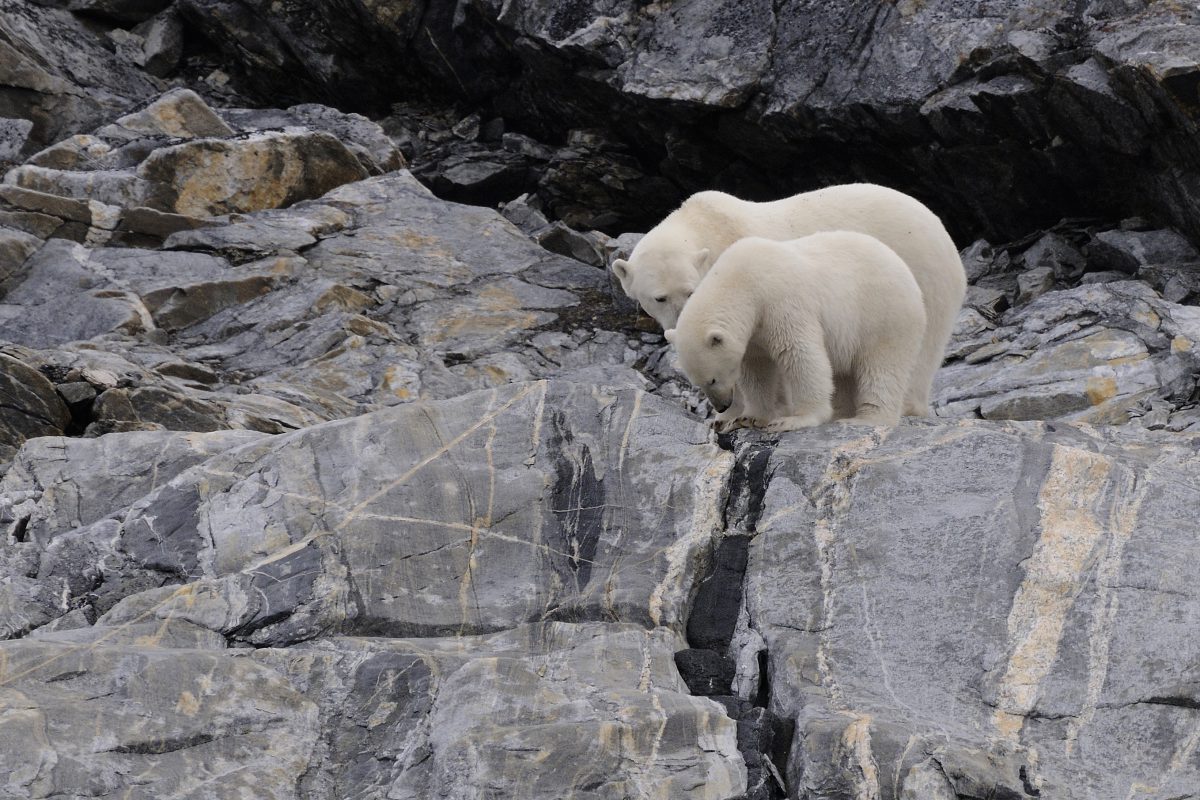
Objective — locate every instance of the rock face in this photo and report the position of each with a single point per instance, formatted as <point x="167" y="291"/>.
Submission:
<point x="999" y="116"/>
<point x="57" y="78"/>
<point x="538" y="542"/>
<point x="1047" y="582"/>
<point x="317" y="483"/>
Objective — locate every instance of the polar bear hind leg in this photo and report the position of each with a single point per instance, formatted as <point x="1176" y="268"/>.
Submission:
<point x="884" y="383"/>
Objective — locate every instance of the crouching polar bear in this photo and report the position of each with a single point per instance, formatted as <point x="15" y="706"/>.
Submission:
<point x="666" y="265"/>
<point x="773" y="324"/>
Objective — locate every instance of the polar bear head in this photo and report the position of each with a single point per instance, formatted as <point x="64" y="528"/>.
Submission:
<point x="661" y="278"/>
<point x="710" y="357"/>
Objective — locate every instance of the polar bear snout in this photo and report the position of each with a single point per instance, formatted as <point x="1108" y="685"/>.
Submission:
<point x="719" y="400"/>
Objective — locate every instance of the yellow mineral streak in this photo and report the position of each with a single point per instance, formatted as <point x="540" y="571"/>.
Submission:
<point x="1101" y="388"/>
<point x="1071" y="530"/>
<point x="187" y="704"/>
<point x="1127" y="505"/>
<point x="856" y="740"/>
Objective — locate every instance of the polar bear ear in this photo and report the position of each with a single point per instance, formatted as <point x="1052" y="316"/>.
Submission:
<point x="620" y="268"/>
<point x="669" y="335"/>
<point x="702" y="261"/>
<point x="716" y="339"/>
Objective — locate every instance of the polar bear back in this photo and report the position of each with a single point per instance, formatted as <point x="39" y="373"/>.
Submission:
<point x="850" y="285"/>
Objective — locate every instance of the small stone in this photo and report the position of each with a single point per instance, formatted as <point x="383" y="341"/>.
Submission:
<point x="990" y="302"/>
<point x="981" y="260"/>
<point x="78" y="395"/>
<point x="467" y="128"/>
<point x="1106" y="276"/>
<point x="1055" y="252"/>
<point x="13" y="135"/>
<point x="559" y="238"/>
<point x="1034" y="284"/>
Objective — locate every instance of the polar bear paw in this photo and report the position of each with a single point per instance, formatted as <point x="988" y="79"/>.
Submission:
<point x="792" y="423"/>
<point x="733" y="423"/>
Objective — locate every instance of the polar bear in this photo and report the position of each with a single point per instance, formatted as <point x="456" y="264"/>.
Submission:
<point x="667" y="264"/>
<point x="774" y="324"/>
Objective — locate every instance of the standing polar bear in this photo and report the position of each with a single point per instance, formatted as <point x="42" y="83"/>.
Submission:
<point x="774" y="324"/>
<point x="667" y="264"/>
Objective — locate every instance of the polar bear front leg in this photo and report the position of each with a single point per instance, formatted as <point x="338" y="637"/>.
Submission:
<point x="738" y="415"/>
<point x="806" y="377"/>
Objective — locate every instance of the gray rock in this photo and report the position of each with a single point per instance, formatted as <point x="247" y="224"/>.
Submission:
<point x="587" y="656"/>
<point x="162" y="42"/>
<point x="209" y="177"/>
<point x="1034" y="283"/>
<point x="256" y="721"/>
<point x="122" y="10"/>
<point x="264" y="233"/>
<point x="364" y="138"/>
<point x="1131" y="251"/>
<point x="990" y="302"/>
<point x="1058" y="254"/>
<point x="110" y="187"/>
<point x="1091" y="354"/>
<point x="180" y="114"/>
<point x="585" y="247"/>
<point x="13" y="135"/>
<point x="65" y="484"/>
<point x="557" y="525"/>
<point x="123" y="289"/>
<point x="1049" y="556"/>
<point x="61" y="76"/>
<point x="29" y="406"/>
<point x="16" y="247"/>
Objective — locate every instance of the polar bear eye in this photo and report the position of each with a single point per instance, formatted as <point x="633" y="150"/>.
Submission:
<point x="662" y="299"/>
<point x="713" y="382"/>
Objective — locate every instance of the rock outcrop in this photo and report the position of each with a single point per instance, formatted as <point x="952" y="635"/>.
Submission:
<point x="1000" y="117"/>
<point x="317" y="482"/>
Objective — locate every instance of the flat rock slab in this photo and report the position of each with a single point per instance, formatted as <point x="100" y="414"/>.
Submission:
<point x="1089" y="354"/>
<point x="181" y="721"/>
<point x="542" y="541"/>
<point x="368" y="718"/>
<point x="568" y="690"/>
<point x="531" y="502"/>
<point x="979" y="610"/>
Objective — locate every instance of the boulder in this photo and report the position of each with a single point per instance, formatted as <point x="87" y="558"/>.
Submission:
<point x="29" y="406"/>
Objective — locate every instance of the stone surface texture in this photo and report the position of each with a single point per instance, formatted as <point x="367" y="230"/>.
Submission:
<point x="1088" y="106"/>
<point x="333" y="464"/>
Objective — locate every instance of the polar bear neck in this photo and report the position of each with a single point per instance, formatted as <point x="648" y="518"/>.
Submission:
<point x="713" y="220"/>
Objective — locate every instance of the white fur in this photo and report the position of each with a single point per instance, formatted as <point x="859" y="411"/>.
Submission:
<point x="774" y="325"/>
<point x="671" y="259"/>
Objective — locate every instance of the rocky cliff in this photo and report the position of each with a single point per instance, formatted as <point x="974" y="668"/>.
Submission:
<point x="332" y="465"/>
